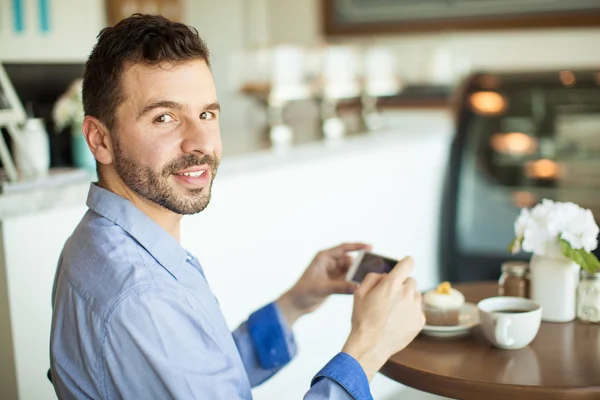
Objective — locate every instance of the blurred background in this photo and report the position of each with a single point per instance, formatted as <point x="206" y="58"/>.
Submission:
<point x="419" y="127"/>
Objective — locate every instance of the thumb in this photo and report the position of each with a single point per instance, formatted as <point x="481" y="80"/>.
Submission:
<point x="342" y="287"/>
<point x="403" y="269"/>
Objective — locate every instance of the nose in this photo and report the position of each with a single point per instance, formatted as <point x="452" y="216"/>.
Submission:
<point x="200" y="136"/>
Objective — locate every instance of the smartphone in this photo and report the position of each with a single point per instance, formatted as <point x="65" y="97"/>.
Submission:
<point x="366" y="262"/>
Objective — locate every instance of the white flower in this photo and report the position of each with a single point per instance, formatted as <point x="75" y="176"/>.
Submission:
<point x="60" y="114"/>
<point x="521" y="223"/>
<point x="539" y="241"/>
<point x="582" y="231"/>
<point x="541" y="228"/>
<point x="68" y="109"/>
<point x="75" y="90"/>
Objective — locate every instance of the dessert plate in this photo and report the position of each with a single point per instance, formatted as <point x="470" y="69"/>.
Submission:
<point x="468" y="318"/>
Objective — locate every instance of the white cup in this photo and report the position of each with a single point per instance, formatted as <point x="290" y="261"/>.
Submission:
<point x="510" y="322"/>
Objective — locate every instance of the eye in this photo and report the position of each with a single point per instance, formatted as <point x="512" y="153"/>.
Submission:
<point x="207" y="115"/>
<point x="164" y="119"/>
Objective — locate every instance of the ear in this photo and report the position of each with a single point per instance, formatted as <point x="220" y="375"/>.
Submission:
<point x="98" y="139"/>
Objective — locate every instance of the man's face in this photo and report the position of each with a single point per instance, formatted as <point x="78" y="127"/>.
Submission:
<point x="167" y="143"/>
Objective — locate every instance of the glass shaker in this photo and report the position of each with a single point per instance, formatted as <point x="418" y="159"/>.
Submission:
<point x="588" y="297"/>
<point x="514" y="280"/>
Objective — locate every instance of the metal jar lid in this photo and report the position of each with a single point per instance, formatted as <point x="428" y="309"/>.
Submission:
<point x="515" y="268"/>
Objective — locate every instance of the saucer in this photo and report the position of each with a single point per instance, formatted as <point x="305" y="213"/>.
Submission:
<point x="468" y="318"/>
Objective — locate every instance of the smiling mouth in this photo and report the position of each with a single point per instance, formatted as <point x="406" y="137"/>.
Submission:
<point x="194" y="174"/>
<point x="193" y="178"/>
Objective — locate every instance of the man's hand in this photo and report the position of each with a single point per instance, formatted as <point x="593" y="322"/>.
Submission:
<point x="387" y="316"/>
<point x="326" y="275"/>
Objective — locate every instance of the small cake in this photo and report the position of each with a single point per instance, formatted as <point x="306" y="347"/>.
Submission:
<point x="442" y="306"/>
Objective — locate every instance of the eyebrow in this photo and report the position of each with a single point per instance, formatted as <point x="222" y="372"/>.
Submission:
<point x="160" y="104"/>
<point x="214" y="106"/>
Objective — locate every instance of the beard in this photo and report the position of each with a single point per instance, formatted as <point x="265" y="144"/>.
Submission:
<point x="154" y="185"/>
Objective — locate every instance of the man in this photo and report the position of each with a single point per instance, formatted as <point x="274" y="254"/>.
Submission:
<point x="134" y="317"/>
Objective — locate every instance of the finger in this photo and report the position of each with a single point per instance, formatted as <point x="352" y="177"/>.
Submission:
<point x="344" y="263"/>
<point x="343" y="287"/>
<point x="341" y="264"/>
<point x="402" y="270"/>
<point x="370" y="281"/>
<point x="418" y="297"/>
<point x="344" y="248"/>
<point x="410" y="285"/>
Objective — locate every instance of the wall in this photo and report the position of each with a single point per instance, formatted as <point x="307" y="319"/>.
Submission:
<point x="8" y="375"/>
<point x="299" y="22"/>
<point x="224" y="28"/>
<point x="291" y="21"/>
<point x="32" y="244"/>
<point x="500" y="50"/>
<point x="74" y="26"/>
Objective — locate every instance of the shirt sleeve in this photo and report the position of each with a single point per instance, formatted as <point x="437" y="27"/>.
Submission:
<point x="157" y="347"/>
<point x="265" y="343"/>
<point x="342" y="378"/>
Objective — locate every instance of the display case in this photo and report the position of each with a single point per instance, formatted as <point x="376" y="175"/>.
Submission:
<point x="520" y="137"/>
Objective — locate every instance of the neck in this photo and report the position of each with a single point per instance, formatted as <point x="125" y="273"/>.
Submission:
<point x="166" y="219"/>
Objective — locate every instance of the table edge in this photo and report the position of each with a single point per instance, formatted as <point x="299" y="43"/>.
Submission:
<point x="452" y="387"/>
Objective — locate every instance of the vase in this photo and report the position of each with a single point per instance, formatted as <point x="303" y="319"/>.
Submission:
<point x="32" y="152"/>
<point x="554" y="282"/>
<point x="80" y="151"/>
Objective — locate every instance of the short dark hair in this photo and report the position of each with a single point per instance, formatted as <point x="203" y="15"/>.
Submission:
<point x="139" y="39"/>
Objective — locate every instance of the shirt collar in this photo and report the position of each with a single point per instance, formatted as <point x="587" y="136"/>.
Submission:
<point x="160" y="244"/>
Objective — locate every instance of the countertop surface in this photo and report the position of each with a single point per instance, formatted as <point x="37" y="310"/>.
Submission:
<point x="240" y="156"/>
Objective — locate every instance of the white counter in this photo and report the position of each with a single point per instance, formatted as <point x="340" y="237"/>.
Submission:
<point x="268" y="216"/>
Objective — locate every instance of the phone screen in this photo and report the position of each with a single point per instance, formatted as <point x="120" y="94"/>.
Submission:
<point x="373" y="263"/>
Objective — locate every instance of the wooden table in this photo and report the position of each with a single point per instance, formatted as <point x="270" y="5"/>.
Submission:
<point x="563" y="362"/>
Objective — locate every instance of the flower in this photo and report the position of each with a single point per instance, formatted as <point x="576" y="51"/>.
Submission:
<point x="68" y="109"/>
<point x="555" y="229"/>
<point x="520" y="225"/>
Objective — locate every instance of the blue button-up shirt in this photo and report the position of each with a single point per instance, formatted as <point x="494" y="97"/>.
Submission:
<point x="134" y="318"/>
